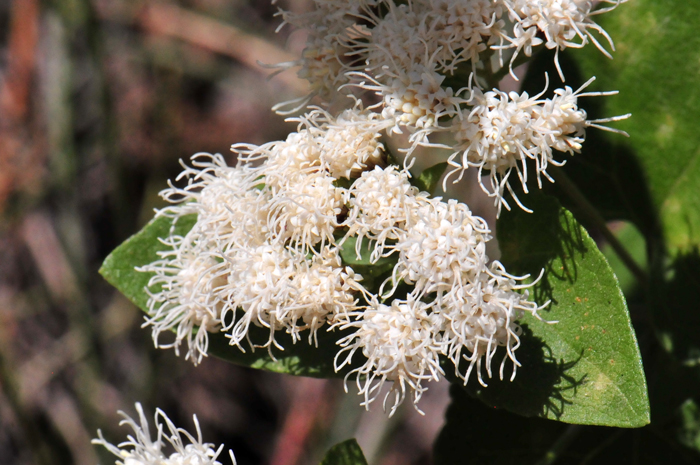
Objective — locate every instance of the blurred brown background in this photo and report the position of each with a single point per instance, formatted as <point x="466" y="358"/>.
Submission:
<point x="99" y="99"/>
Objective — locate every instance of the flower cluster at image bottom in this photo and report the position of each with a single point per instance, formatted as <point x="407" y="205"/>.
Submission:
<point x="146" y="450"/>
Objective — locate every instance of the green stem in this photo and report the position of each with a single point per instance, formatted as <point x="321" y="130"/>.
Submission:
<point x="599" y="222"/>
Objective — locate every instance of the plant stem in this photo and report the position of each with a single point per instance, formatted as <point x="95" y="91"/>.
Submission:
<point x="598" y="221"/>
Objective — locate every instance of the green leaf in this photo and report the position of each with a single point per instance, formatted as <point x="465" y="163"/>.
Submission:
<point x="349" y="254"/>
<point x="371" y="272"/>
<point x="586" y="368"/>
<point x="429" y="179"/>
<point x="300" y="359"/>
<point x="656" y="68"/>
<point x="345" y="453"/>
<point x="634" y="243"/>
<point x="140" y="249"/>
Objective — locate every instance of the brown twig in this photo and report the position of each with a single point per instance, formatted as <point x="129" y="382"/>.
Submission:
<point x="15" y="91"/>
<point x="173" y="21"/>
<point x="42" y="240"/>
<point x="17" y="146"/>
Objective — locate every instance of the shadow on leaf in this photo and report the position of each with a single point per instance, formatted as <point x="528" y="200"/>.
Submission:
<point x="298" y="359"/>
<point x="552" y="248"/>
<point x="607" y="172"/>
<point x="476" y="434"/>
<point x="541" y="388"/>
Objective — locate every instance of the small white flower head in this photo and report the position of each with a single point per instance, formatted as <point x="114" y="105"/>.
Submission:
<point x="501" y="132"/>
<point x="402" y="346"/>
<point x="228" y="206"/>
<point x="260" y="285"/>
<point x="324" y="290"/>
<point x="282" y="163"/>
<point x="562" y="124"/>
<point x="381" y="202"/>
<point x="327" y="57"/>
<point x="144" y="450"/>
<point x="341" y="147"/>
<point x="564" y="23"/>
<point x="187" y="296"/>
<point x="482" y="316"/>
<point x="349" y="144"/>
<point x="415" y="98"/>
<point x="496" y="136"/>
<point x="444" y="249"/>
<point x="398" y="40"/>
<point x="305" y="212"/>
<point x="322" y="66"/>
<point x="206" y="169"/>
<point x="464" y="29"/>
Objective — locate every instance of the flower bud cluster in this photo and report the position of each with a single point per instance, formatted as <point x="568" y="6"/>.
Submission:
<point x="282" y="239"/>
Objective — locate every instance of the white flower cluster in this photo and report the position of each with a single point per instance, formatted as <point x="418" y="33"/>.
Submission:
<point x="410" y="53"/>
<point x="144" y="450"/>
<point x="266" y="251"/>
<point x="459" y="305"/>
<point x="281" y="239"/>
